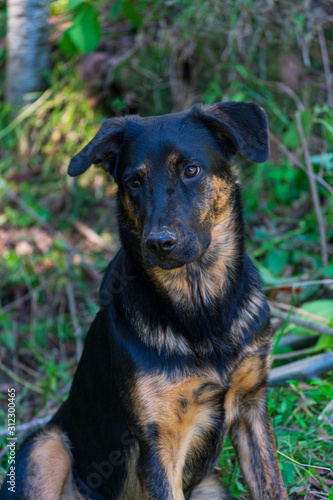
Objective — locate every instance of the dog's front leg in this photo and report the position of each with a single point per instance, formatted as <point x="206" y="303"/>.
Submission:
<point x="158" y="480"/>
<point x="253" y="439"/>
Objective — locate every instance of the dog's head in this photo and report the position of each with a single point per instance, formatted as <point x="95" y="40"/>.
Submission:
<point x="174" y="176"/>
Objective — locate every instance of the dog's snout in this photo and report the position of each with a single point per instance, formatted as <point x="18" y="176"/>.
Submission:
<point x="162" y="242"/>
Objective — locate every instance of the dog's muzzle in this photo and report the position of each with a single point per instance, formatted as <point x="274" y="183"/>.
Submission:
<point x="161" y="243"/>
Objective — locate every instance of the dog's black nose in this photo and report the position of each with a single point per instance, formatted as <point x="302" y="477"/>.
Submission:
<point x="162" y="242"/>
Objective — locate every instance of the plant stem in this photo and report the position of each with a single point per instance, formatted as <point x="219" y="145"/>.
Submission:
<point x="314" y="190"/>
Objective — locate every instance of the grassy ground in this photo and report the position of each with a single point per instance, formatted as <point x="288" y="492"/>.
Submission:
<point x="57" y="235"/>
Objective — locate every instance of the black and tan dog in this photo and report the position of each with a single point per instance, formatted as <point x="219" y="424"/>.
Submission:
<point x="178" y="355"/>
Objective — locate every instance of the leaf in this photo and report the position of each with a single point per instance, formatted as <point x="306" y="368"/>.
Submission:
<point x="328" y="271"/>
<point x="132" y="14"/>
<point x="330" y="497"/>
<point x="306" y="118"/>
<point x="267" y="276"/>
<point x="7" y="336"/>
<point x="66" y="44"/>
<point x="72" y="4"/>
<point x="291" y="139"/>
<point x="115" y="9"/>
<point x="322" y="308"/>
<point x="277" y="260"/>
<point x="325" y="159"/>
<point x="85" y="32"/>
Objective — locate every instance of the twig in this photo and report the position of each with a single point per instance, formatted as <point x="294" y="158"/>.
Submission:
<point x="297" y="310"/>
<point x="326" y="63"/>
<point x="302" y="322"/>
<point x="20" y="380"/>
<point x="314" y="191"/>
<point x="293" y="354"/>
<point x="299" y="284"/>
<point x="304" y="465"/>
<point x="90" y="268"/>
<point x="91" y="235"/>
<point x="303" y="369"/>
<point x="7" y="308"/>
<point x="287" y="90"/>
<point x="29" y="425"/>
<point x="293" y="158"/>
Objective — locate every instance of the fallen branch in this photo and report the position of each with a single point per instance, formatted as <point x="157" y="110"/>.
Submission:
<point x="299" y="284"/>
<point x="297" y="310"/>
<point x="301" y="322"/>
<point x="292" y="354"/>
<point x="305" y="369"/>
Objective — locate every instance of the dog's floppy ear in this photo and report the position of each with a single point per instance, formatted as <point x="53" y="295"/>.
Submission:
<point x="102" y="150"/>
<point x="237" y="127"/>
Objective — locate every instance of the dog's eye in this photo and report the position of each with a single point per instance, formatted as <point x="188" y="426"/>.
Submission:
<point x="134" y="182"/>
<point x="191" y="171"/>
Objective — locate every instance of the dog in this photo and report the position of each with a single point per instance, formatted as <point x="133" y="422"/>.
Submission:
<point x="179" y="353"/>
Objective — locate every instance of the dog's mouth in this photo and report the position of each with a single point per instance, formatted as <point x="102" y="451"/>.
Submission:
<point x="167" y="264"/>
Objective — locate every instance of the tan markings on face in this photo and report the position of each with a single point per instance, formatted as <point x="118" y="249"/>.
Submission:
<point x="223" y="199"/>
<point x="243" y="380"/>
<point x="182" y="413"/>
<point x="172" y="164"/>
<point x="50" y="468"/>
<point x="131" y="213"/>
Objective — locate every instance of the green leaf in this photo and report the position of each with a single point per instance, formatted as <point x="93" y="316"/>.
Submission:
<point x="322" y="308"/>
<point x="324" y="342"/>
<point x="330" y="497"/>
<point x="66" y="44"/>
<point x="72" y="4"/>
<point x="291" y="139"/>
<point x="325" y="159"/>
<point x="277" y="260"/>
<point x="306" y="118"/>
<point x="328" y="271"/>
<point x="6" y="335"/>
<point x="115" y="10"/>
<point x="85" y="32"/>
<point x="132" y="14"/>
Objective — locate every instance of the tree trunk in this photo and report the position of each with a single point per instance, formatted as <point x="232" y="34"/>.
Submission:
<point x="28" y="51"/>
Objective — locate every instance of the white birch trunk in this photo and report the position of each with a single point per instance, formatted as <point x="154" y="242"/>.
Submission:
<point x="28" y="51"/>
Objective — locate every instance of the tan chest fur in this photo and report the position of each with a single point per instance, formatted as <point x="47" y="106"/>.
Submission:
<point x="182" y="412"/>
